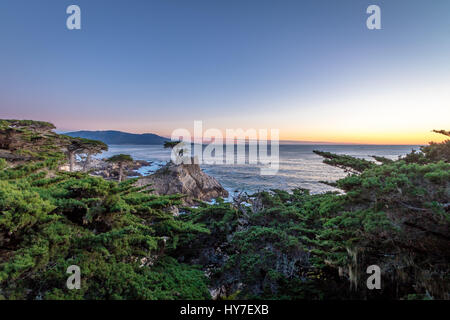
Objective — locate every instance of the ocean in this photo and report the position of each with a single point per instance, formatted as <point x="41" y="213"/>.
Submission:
<point x="299" y="167"/>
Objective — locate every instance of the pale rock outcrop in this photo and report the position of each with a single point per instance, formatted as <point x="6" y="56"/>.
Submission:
<point x="187" y="179"/>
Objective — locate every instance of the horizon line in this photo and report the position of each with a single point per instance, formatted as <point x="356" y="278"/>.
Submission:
<point x="281" y="142"/>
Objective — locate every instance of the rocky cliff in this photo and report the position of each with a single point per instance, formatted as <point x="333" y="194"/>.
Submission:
<point x="189" y="180"/>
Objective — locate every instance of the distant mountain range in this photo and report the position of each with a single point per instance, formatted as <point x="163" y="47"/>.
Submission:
<point x="119" y="137"/>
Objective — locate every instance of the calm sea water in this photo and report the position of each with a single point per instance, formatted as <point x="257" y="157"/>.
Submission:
<point x="299" y="166"/>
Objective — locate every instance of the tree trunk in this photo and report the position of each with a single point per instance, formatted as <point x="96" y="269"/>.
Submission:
<point x="87" y="162"/>
<point x="71" y="160"/>
<point x="120" y="172"/>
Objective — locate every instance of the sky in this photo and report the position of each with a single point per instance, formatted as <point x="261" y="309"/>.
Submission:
<point x="311" y="69"/>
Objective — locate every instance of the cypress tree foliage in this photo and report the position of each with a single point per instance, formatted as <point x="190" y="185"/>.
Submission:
<point x="296" y="245"/>
<point x="76" y="146"/>
<point x="170" y="144"/>
<point x="444" y="132"/>
<point x="121" y="160"/>
<point x="117" y="234"/>
<point x="25" y="124"/>
<point x="173" y="144"/>
<point x="383" y="160"/>
<point x="433" y="152"/>
<point x="272" y="244"/>
<point x="92" y="147"/>
<point x="347" y="163"/>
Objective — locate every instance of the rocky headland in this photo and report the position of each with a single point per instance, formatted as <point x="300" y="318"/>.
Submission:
<point x="187" y="179"/>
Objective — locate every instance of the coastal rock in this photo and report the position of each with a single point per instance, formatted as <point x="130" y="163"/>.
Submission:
<point x="107" y="170"/>
<point x="187" y="179"/>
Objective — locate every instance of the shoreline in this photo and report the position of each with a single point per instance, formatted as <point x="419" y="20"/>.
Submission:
<point x="299" y="167"/>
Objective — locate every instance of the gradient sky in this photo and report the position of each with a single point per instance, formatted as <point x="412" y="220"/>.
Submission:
<point x="309" y="68"/>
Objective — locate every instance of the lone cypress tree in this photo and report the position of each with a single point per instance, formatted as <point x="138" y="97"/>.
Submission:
<point x="179" y="145"/>
<point x="121" y="160"/>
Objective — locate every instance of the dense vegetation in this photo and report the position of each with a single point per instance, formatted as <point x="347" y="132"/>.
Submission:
<point x="274" y="244"/>
<point x="115" y="233"/>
